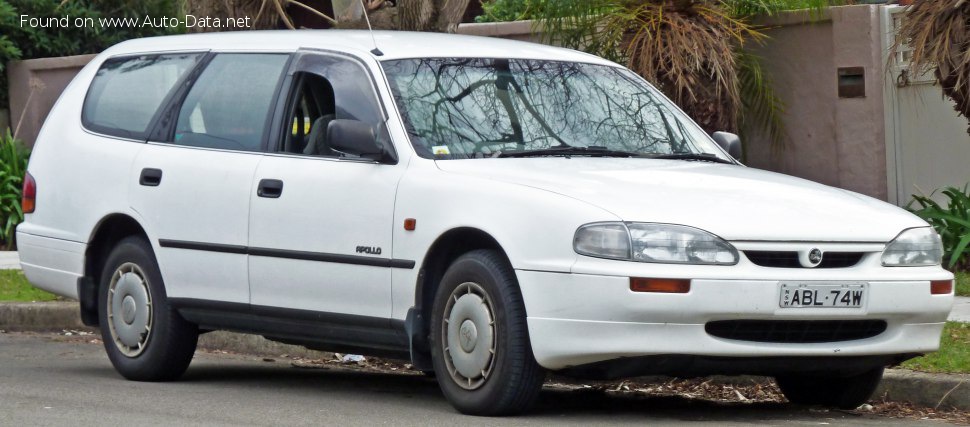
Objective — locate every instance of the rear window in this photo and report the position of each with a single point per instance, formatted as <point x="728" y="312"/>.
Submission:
<point x="229" y="104"/>
<point x="127" y="92"/>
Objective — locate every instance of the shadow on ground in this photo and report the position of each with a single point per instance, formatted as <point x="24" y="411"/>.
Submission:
<point x="399" y="387"/>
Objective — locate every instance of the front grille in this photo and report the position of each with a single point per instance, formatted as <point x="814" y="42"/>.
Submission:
<point x="795" y="331"/>
<point x="789" y="259"/>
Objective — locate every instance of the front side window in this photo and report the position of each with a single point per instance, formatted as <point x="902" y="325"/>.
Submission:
<point x="127" y="92"/>
<point x="328" y="88"/>
<point x="477" y="107"/>
<point x="228" y="105"/>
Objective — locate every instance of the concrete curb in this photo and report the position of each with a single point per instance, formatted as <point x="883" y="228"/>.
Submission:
<point x="918" y="388"/>
<point x="65" y="315"/>
<point x="925" y="389"/>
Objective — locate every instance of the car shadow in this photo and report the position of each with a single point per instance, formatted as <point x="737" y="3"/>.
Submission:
<point x="553" y="403"/>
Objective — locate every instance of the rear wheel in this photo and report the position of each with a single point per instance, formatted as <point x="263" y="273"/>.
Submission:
<point x="480" y="342"/>
<point x="845" y="392"/>
<point x="145" y="338"/>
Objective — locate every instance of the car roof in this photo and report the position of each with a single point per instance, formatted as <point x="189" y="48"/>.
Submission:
<point x="393" y="44"/>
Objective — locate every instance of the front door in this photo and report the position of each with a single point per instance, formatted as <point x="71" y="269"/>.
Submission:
<point x="320" y="221"/>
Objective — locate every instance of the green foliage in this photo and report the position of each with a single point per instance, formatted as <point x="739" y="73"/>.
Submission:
<point x="25" y="42"/>
<point x="770" y="7"/>
<point x="15" y="288"/>
<point x="509" y="10"/>
<point x="952" y="222"/>
<point x="962" y="283"/>
<point x="13" y="166"/>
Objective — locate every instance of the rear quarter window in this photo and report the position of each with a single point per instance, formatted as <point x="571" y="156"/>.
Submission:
<point x="126" y="93"/>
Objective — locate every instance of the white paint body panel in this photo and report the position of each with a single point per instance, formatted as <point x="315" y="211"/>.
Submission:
<point x="722" y="199"/>
<point x="580" y="309"/>
<point x="327" y="206"/>
<point x="203" y="197"/>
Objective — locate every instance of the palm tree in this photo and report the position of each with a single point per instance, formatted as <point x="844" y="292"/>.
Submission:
<point x="938" y="32"/>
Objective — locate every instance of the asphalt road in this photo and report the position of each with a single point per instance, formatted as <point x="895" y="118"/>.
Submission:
<point x="53" y="380"/>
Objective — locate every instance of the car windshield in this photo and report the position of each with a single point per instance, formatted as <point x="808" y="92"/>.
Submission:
<point x="459" y="108"/>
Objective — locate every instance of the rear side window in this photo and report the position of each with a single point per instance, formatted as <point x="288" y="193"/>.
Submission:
<point x="127" y="92"/>
<point x="229" y="104"/>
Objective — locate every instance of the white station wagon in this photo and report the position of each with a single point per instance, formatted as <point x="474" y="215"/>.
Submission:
<point x="489" y="210"/>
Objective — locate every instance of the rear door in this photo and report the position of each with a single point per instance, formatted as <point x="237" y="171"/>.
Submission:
<point x="191" y="182"/>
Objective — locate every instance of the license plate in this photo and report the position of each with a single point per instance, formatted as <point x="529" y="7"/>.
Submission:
<point x="840" y="295"/>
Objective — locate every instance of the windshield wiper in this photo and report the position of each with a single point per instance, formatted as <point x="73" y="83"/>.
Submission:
<point x="592" y="151"/>
<point x="707" y="157"/>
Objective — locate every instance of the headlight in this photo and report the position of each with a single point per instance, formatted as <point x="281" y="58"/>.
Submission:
<point x="914" y="247"/>
<point x="604" y="240"/>
<point x="647" y="242"/>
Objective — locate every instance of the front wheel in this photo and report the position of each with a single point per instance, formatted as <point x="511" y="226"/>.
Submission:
<point x="145" y="338"/>
<point x="480" y="341"/>
<point x="844" y="392"/>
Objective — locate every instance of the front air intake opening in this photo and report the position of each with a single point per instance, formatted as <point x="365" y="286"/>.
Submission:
<point x="795" y="331"/>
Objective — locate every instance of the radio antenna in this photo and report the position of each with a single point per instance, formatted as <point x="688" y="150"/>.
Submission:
<point x="376" y="51"/>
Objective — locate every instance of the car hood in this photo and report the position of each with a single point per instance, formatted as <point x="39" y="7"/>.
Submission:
<point x="734" y="202"/>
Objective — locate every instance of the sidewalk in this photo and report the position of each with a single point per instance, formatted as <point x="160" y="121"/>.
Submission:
<point x="961" y="310"/>
<point x="9" y="260"/>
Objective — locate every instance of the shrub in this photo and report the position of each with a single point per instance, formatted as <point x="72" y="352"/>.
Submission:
<point x="952" y="222"/>
<point x="25" y="42"/>
<point x="13" y="166"/>
<point x="509" y="10"/>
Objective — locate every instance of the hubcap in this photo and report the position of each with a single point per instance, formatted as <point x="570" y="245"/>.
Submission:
<point x="468" y="335"/>
<point x="129" y="309"/>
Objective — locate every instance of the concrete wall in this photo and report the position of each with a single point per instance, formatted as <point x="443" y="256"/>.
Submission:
<point x="803" y="81"/>
<point x="35" y="85"/>
<point x="828" y="139"/>
<point x="518" y="30"/>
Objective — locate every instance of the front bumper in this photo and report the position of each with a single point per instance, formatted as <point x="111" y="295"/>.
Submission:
<point x="582" y="319"/>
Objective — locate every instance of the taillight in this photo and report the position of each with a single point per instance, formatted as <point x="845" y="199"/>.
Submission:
<point x="941" y="287"/>
<point x="28" y="203"/>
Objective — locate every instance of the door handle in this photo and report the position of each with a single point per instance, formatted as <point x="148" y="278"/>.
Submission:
<point x="150" y="177"/>
<point x="270" y="188"/>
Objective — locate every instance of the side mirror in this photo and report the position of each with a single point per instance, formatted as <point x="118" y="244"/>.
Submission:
<point x="729" y="142"/>
<point x="360" y="139"/>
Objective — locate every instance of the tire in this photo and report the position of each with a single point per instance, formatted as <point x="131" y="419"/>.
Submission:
<point x="844" y="392"/>
<point x="480" y="297"/>
<point x="145" y="338"/>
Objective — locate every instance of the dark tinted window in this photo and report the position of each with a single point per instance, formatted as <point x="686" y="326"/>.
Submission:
<point x="126" y="92"/>
<point x="228" y="104"/>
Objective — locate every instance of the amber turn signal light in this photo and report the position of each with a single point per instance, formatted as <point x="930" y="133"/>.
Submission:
<point x="667" y="286"/>
<point x="28" y="202"/>
<point x="410" y="224"/>
<point x="940" y="287"/>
